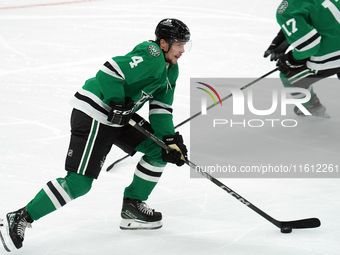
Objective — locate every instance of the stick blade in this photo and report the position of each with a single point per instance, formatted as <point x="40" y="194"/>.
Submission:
<point x="116" y="162"/>
<point x="305" y="223"/>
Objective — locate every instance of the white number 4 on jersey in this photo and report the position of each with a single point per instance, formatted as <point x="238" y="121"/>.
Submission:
<point x="135" y="61"/>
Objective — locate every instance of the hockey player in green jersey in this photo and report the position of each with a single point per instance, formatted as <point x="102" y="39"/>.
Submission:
<point x="312" y="29"/>
<point x="102" y="110"/>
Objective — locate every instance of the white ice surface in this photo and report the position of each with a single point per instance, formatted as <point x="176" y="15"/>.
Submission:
<point x="47" y="52"/>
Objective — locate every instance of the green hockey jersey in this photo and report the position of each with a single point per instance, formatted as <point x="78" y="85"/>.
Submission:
<point x="141" y="74"/>
<point x="312" y="27"/>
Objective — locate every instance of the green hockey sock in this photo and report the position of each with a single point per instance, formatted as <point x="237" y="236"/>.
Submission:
<point x="58" y="193"/>
<point x="145" y="178"/>
<point x="139" y="188"/>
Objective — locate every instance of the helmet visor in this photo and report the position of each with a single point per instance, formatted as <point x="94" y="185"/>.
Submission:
<point x="182" y="46"/>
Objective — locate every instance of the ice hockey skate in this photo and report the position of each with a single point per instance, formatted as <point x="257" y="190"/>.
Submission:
<point x="316" y="109"/>
<point x="138" y="215"/>
<point x="12" y="229"/>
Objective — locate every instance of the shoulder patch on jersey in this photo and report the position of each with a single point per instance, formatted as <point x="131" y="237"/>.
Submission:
<point x="154" y="51"/>
<point x="283" y="6"/>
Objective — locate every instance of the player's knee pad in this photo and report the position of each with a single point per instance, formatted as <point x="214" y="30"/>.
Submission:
<point x="76" y="185"/>
<point x="130" y="138"/>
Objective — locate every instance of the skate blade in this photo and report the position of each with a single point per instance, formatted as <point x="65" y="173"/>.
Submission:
<point x="4" y="236"/>
<point x="324" y="115"/>
<point x="320" y="113"/>
<point x="130" y="224"/>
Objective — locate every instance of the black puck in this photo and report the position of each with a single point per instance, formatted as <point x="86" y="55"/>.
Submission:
<point x="286" y="230"/>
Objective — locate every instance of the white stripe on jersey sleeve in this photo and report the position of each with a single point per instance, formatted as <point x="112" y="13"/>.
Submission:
<point x="157" y="107"/>
<point x="306" y="38"/>
<point x="155" y="102"/>
<point x="159" y="111"/>
<point x="113" y="63"/>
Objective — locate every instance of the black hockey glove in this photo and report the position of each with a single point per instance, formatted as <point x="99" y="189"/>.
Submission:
<point x="277" y="48"/>
<point x="121" y="113"/>
<point x="179" y="153"/>
<point x="287" y="63"/>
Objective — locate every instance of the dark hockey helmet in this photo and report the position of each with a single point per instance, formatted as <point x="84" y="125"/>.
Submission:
<point x="172" y="30"/>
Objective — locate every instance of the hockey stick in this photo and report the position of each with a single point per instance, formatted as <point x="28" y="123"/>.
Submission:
<point x="285" y="226"/>
<point x="199" y="113"/>
<point x="117" y="161"/>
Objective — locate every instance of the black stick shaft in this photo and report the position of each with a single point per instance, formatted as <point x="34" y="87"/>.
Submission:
<point x="304" y="223"/>
<point x="117" y="161"/>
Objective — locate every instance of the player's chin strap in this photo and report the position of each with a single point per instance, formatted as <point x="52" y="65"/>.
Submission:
<point x="285" y="226"/>
<point x="159" y="44"/>
<point x="170" y="42"/>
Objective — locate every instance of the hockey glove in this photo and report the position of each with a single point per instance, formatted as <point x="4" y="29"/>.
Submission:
<point x="121" y="113"/>
<point x="287" y="63"/>
<point x="178" y="154"/>
<point x="277" y="48"/>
